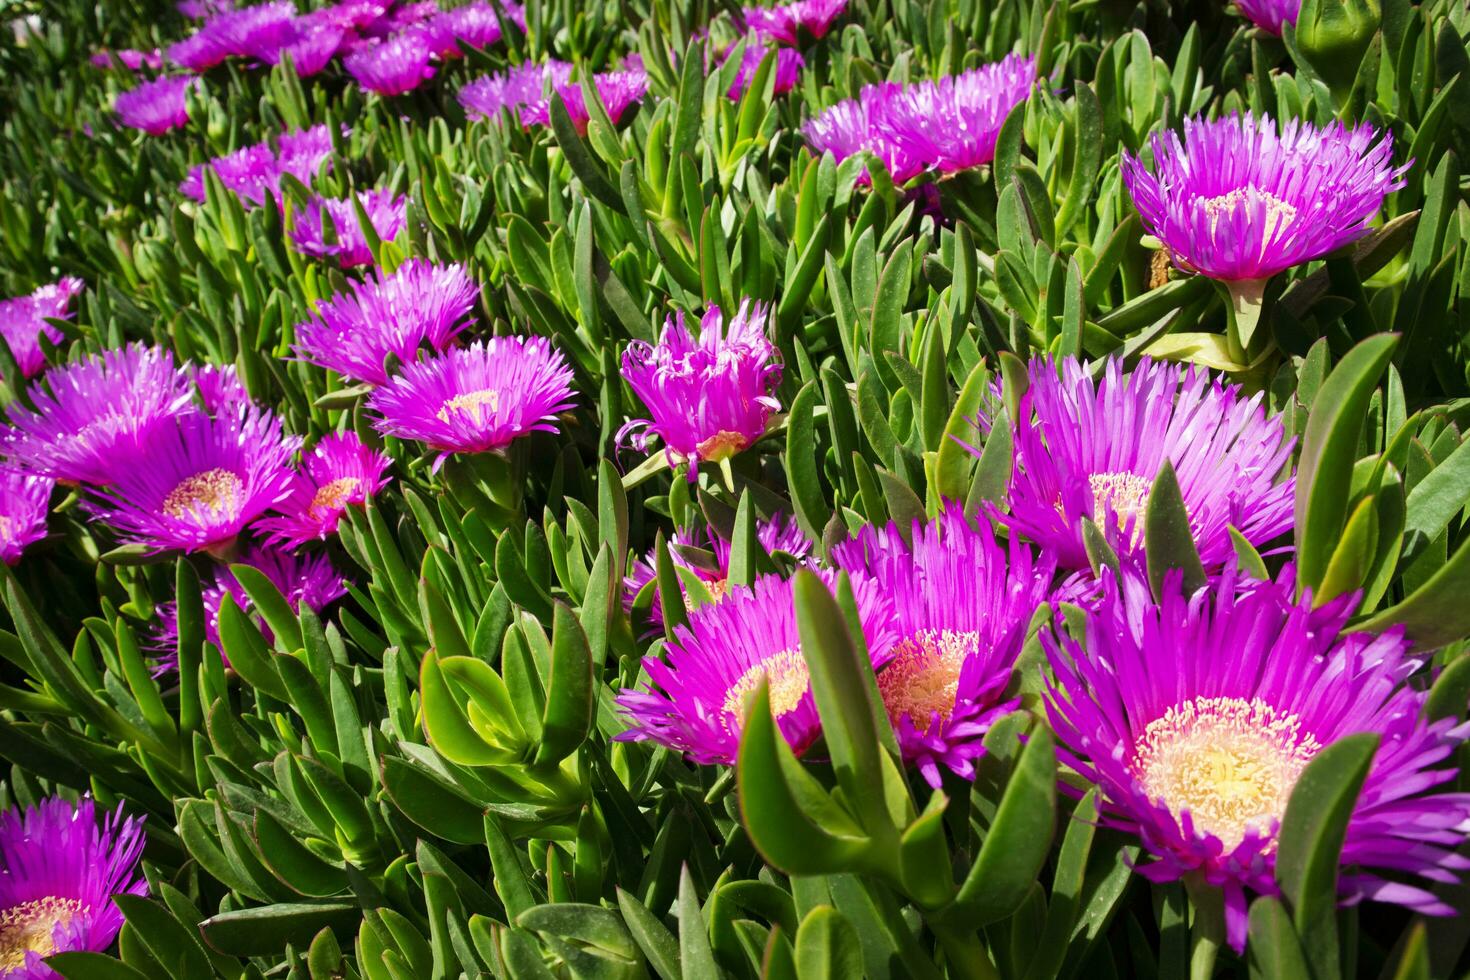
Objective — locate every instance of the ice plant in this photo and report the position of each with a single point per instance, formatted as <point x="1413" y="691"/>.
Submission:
<point x="247" y="32"/>
<point x="512" y="89"/>
<point x="962" y="604"/>
<point x="155" y="107"/>
<point x="394" y="65"/>
<point x="787" y="22"/>
<point x="218" y="387"/>
<point x="696" y="699"/>
<point x="617" y="90"/>
<point x="1270" y="16"/>
<point x="1239" y="199"/>
<point x="775" y="535"/>
<point x="857" y="126"/>
<point x="59" y="871"/>
<point x="386" y="212"/>
<point x="1092" y="449"/>
<point x="710" y="396"/>
<point x="194" y="485"/>
<point x="24" y="502"/>
<point x="1197" y="715"/>
<point x="789" y="63"/>
<point x="129" y="58"/>
<point x="90" y="416"/>
<point x="474" y="24"/>
<point x="479" y="398"/>
<point x="23" y="322"/>
<point x="253" y="170"/>
<point x="339" y="472"/>
<point x="419" y="305"/>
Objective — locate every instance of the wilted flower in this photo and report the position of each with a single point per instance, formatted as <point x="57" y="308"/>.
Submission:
<point x="155" y="107"/>
<point x="58" y="874"/>
<point x="129" y="58"/>
<point x="1236" y="201"/>
<point x="1197" y="715"/>
<point x="616" y="89"/>
<point x="1092" y="449"/>
<point x="696" y="701"/>
<point x="23" y="321"/>
<point x="961" y="604"/>
<point x="478" y="398"/>
<point x="25" y="500"/>
<point x="418" y="305"/>
<point x="710" y="398"/>
<point x="386" y="211"/>
<point x="785" y="23"/>
<point x="789" y="63"/>
<point x="394" y="65"/>
<point x="95" y="413"/>
<point x="339" y="471"/>
<point x="512" y="89"/>
<point x="775" y="535"/>
<point x="194" y="485"/>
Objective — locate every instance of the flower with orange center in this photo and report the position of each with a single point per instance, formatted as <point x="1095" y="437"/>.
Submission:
<point x="339" y="472"/>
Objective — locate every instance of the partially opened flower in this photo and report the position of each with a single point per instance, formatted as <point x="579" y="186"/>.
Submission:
<point x="787" y="22"/>
<point x="1092" y="449"/>
<point x="1239" y="201"/>
<point x="962" y="604"/>
<point x="1197" y="715"/>
<point x="218" y="387"/>
<point x="338" y="472"/>
<point x="696" y="700"/>
<point x="250" y="172"/>
<point x="386" y="212"/>
<point x="512" y="89"/>
<point x="156" y="107"/>
<point x="709" y="397"/>
<point x="1270" y="16"/>
<point x="394" y="65"/>
<point x="23" y="322"/>
<point x="25" y="500"/>
<point x="789" y="63"/>
<point x="479" y="398"/>
<point x="194" y="485"/>
<point x="90" y="416"/>
<point x="618" y="90"/>
<point x="775" y="535"/>
<point x="59" y="871"/>
<point x="419" y="305"/>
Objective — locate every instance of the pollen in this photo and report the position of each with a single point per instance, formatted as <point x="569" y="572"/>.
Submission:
<point x="923" y="679"/>
<point x="1229" y="762"/>
<point x="789" y="682"/>
<point x="30" y="927"/>
<point x="716" y="587"/>
<point x="1279" y="214"/>
<point x="1123" y="494"/>
<point x="721" y="445"/>
<point x="478" y="405"/>
<point x="334" y="496"/>
<point x="217" y="492"/>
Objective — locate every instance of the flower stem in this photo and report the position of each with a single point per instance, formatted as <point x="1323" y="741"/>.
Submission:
<point x="1207" y="933"/>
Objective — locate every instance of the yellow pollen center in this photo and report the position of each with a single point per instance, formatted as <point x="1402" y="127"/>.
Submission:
<point x="789" y="682"/>
<point x="716" y="589"/>
<point x="1279" y="214"/>
<point x="923" y="679"/>
<point x="1230" y="762"/>
<point x="1123" y="494"/>
<point x="333" y="496"/>
<point x="218" y="492"/>
<point x="721" y="445"/>
<point x="30" y="928"/>
<point x="478" y="405"/>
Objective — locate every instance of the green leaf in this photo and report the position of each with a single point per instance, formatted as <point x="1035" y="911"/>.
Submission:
<point x="956" y="457"/>
<point x="802" y="463"/>
<point x="264" y="931"/>
<point x="1351" y="558"/>
<point x="249" y="655"/>
<point x="1168" y="540"/>
<point x="1435" y="613"/>
<point x="658" y="944"/>
<point x="447" y="724"/>
<point x="1273" y="949"/>
<point x="827" y="946"/>
<point x="570" y="696"/>
<point x="696" y="958"/>
<point x="93" y="966"/>
<point x="174" y="947"/>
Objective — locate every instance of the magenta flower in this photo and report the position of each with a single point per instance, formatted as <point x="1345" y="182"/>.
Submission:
<point x="156" y="107"/>
<point x="313" y="43"/>
<point x="247" y="32"/>
<point x="1196" y="715"/>
<point x="709" y="398"/>
<point x="393" y="65"/>
<point x="695" y="702"/>
<point x="219" y="387"/>
<point x="25" y="501"/>
<point x="386" y="211"/>
<point x="420" y="304"/>
<point x="59" y="872"/>
<point x="789" y="64"/>
<point x="339" y="472"/>
<point x="786" y="23"/>
<point x="23" y="321"/>
<point x="855" y="126"/>
<point x="251" y="171"/>
<point x="130" y="59"/>
<point x="301" y="153"/>
<point x="775" y="535"/>
<point x="95" y="414"/>
<point x="618" y="90"/>
<point x="1092" y="449"/>
<point x="1270" y="16"/>
<point x="475" y="24"/>
<point x="479" y="398"/>
<point x="1235" y="200"/>
<point x="196" y="484"/>
<point x="513" y="89"/>
<point x="962" y="604"/>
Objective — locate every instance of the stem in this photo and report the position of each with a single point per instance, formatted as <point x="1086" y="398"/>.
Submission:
<point x="1207" y="933"/>
<point x="1243" y="306"/>
<point x="965" y="955"/>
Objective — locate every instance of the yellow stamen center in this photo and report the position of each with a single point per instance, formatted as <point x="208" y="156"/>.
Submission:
<point x="30" y="926"/>
<point x="789" y="682"/>
<point x="1230" y="762"/>
<point x="333" y="496"/>
<point x="923" y="679"/>
<point x="1279" y="214"/>
<point x="478" y="405"/>
<point x="716" y="589"/>
<point x="1123" y="494"/>
<point x="721" y="445"/>
<point x="218" y="492"/>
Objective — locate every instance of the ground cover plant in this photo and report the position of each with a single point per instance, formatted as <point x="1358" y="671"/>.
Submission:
<point x="670" y="489"/>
